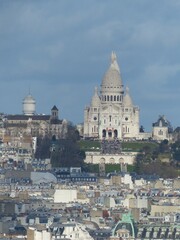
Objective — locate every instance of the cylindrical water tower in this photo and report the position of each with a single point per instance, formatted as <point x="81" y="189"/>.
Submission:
<point x="29" y="105"/>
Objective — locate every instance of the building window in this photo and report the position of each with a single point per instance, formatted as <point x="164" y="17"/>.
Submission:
<point x="118" y="98"/>
<point x="107" y="98"/>
<point x="114" y="98"/>
<point x="111" y="97"/>
<point x="110" y="118"/>
<point x="115" y="133"/>
<point x="104" y="133"/>
<point x="160" y="132"/>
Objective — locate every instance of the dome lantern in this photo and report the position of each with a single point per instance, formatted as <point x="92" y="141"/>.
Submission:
<point x="112" y="81"/>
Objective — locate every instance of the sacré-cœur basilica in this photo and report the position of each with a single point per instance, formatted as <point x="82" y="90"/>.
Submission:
<point x="112" y="117"/>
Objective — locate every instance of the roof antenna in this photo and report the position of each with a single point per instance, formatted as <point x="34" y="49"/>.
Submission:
<point x="29" y="90"/>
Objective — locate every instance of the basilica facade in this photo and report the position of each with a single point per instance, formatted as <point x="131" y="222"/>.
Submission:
<point x="111" y="114"/>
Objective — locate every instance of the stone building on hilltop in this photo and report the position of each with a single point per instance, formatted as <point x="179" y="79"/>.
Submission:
<point x="162" y="129"/>
<point x="111" y="113"/>
<point x="30" y="124"/>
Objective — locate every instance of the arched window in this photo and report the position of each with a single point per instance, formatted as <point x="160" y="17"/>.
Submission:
<point x="107" y="98"/>
<point x="104" y="133"/>
<point x="104" y="98"/>
<point x="115" y="133"/>
<point x="111" y="160"/>
<point x="110" y="134"/>
<point x="160" y="132"/>
<point x="102" y="160"/>
<point x="121" y="160"/>
<point x="118" y="98"/>
<point x="114" y="98"/>
<point x="111" y="97"/>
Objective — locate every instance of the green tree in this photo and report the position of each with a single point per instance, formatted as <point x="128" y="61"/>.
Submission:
<point x="164" y="146"/>
<point x="176" y="151"/>
<point x="43" y="148"/>
<point x="138" y="163"/>
<point x="66" y="152"/>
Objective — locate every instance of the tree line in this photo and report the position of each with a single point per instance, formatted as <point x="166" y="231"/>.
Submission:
<point x="62" y="152"/>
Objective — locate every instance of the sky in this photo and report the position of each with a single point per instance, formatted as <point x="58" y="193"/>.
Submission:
<point x="59" y="50"/>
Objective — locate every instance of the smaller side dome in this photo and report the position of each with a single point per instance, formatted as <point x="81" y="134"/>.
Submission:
<point x="95" y="102"/>
<point x="29" y="105"/>
<point x="127" y="99"/>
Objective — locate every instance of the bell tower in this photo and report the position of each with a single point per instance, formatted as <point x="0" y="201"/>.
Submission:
<point x="54" y="112"/>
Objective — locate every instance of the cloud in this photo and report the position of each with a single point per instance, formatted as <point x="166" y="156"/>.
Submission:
<point x="154" y="33"/>
<point x="62" y="51"/>
<point x="160" y="74"/>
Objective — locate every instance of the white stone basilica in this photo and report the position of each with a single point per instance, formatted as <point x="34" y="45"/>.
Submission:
<point x="111" y="113"/>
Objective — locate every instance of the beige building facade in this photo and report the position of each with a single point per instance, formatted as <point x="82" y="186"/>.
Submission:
<point x="123" y="158"/>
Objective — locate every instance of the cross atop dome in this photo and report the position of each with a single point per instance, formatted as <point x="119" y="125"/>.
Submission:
<point x="113" y="57"/>
<point x="127" y="90"/>
<point x="96" y="89"/>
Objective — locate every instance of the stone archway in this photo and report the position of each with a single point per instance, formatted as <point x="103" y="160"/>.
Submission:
<point x="121" y="160"/>
<point x="115" y="133"/>
<point x="110" y="133"/>
<point x="112" y="160"/>
<point x="102" y="160"/>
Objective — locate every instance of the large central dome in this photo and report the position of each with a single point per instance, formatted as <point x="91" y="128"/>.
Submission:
<point x="112" y="78"/>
